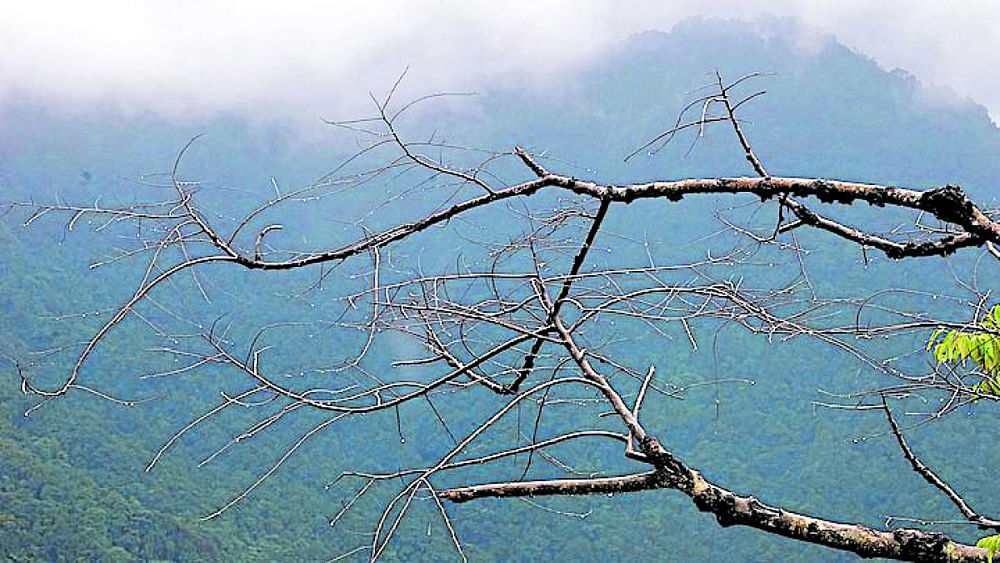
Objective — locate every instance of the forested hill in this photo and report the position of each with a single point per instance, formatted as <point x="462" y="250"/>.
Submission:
<point x="828" y="111"/>
<point x="71" y="479"/>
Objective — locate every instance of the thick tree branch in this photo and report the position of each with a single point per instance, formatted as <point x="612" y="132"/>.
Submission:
<point x="905" y="544"/>
<point x="940" y="247"/>
<point x="604" y="485"/>
<point x="948" y="203"/>
<point x="731" y="509"/>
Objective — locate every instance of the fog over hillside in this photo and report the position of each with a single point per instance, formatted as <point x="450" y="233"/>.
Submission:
<point x="301" y="59"/>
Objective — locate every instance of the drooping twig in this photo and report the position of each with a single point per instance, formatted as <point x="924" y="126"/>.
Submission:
<point x="931" y="477"/>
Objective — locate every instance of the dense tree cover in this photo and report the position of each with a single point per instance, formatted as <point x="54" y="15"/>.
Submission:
<point x="73" y="476"/>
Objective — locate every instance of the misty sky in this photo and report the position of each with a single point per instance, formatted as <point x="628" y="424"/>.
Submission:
<point x="311" y="59"/>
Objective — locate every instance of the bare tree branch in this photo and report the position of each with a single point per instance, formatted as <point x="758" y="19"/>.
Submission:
<point x="479" y="329"/>
<point x="931" y="477"/>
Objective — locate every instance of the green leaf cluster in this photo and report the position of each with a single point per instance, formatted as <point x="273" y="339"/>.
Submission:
<point x="991" y="544"/>
<point x="982" y="346"/>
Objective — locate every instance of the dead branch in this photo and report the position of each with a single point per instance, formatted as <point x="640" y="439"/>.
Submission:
<point x="484" y="329"/>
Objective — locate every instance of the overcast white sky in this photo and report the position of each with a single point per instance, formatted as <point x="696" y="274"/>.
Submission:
<point x="310" y="59"/>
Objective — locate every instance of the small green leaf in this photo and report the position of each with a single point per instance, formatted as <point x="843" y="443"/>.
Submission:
<point x="977" y="350"/>
<point x="933" y="339"/>
<point x="994" y="386"/>
<point x="963" y="348"/>
<point x="955" y="347"/>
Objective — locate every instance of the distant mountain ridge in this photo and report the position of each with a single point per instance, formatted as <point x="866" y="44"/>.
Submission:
<point x="828" y="111"/>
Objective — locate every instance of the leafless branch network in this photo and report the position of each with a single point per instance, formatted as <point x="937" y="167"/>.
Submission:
<point x="534" y="319"/>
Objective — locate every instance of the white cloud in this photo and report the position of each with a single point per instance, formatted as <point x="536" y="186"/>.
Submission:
<point x="312" y="59"/>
